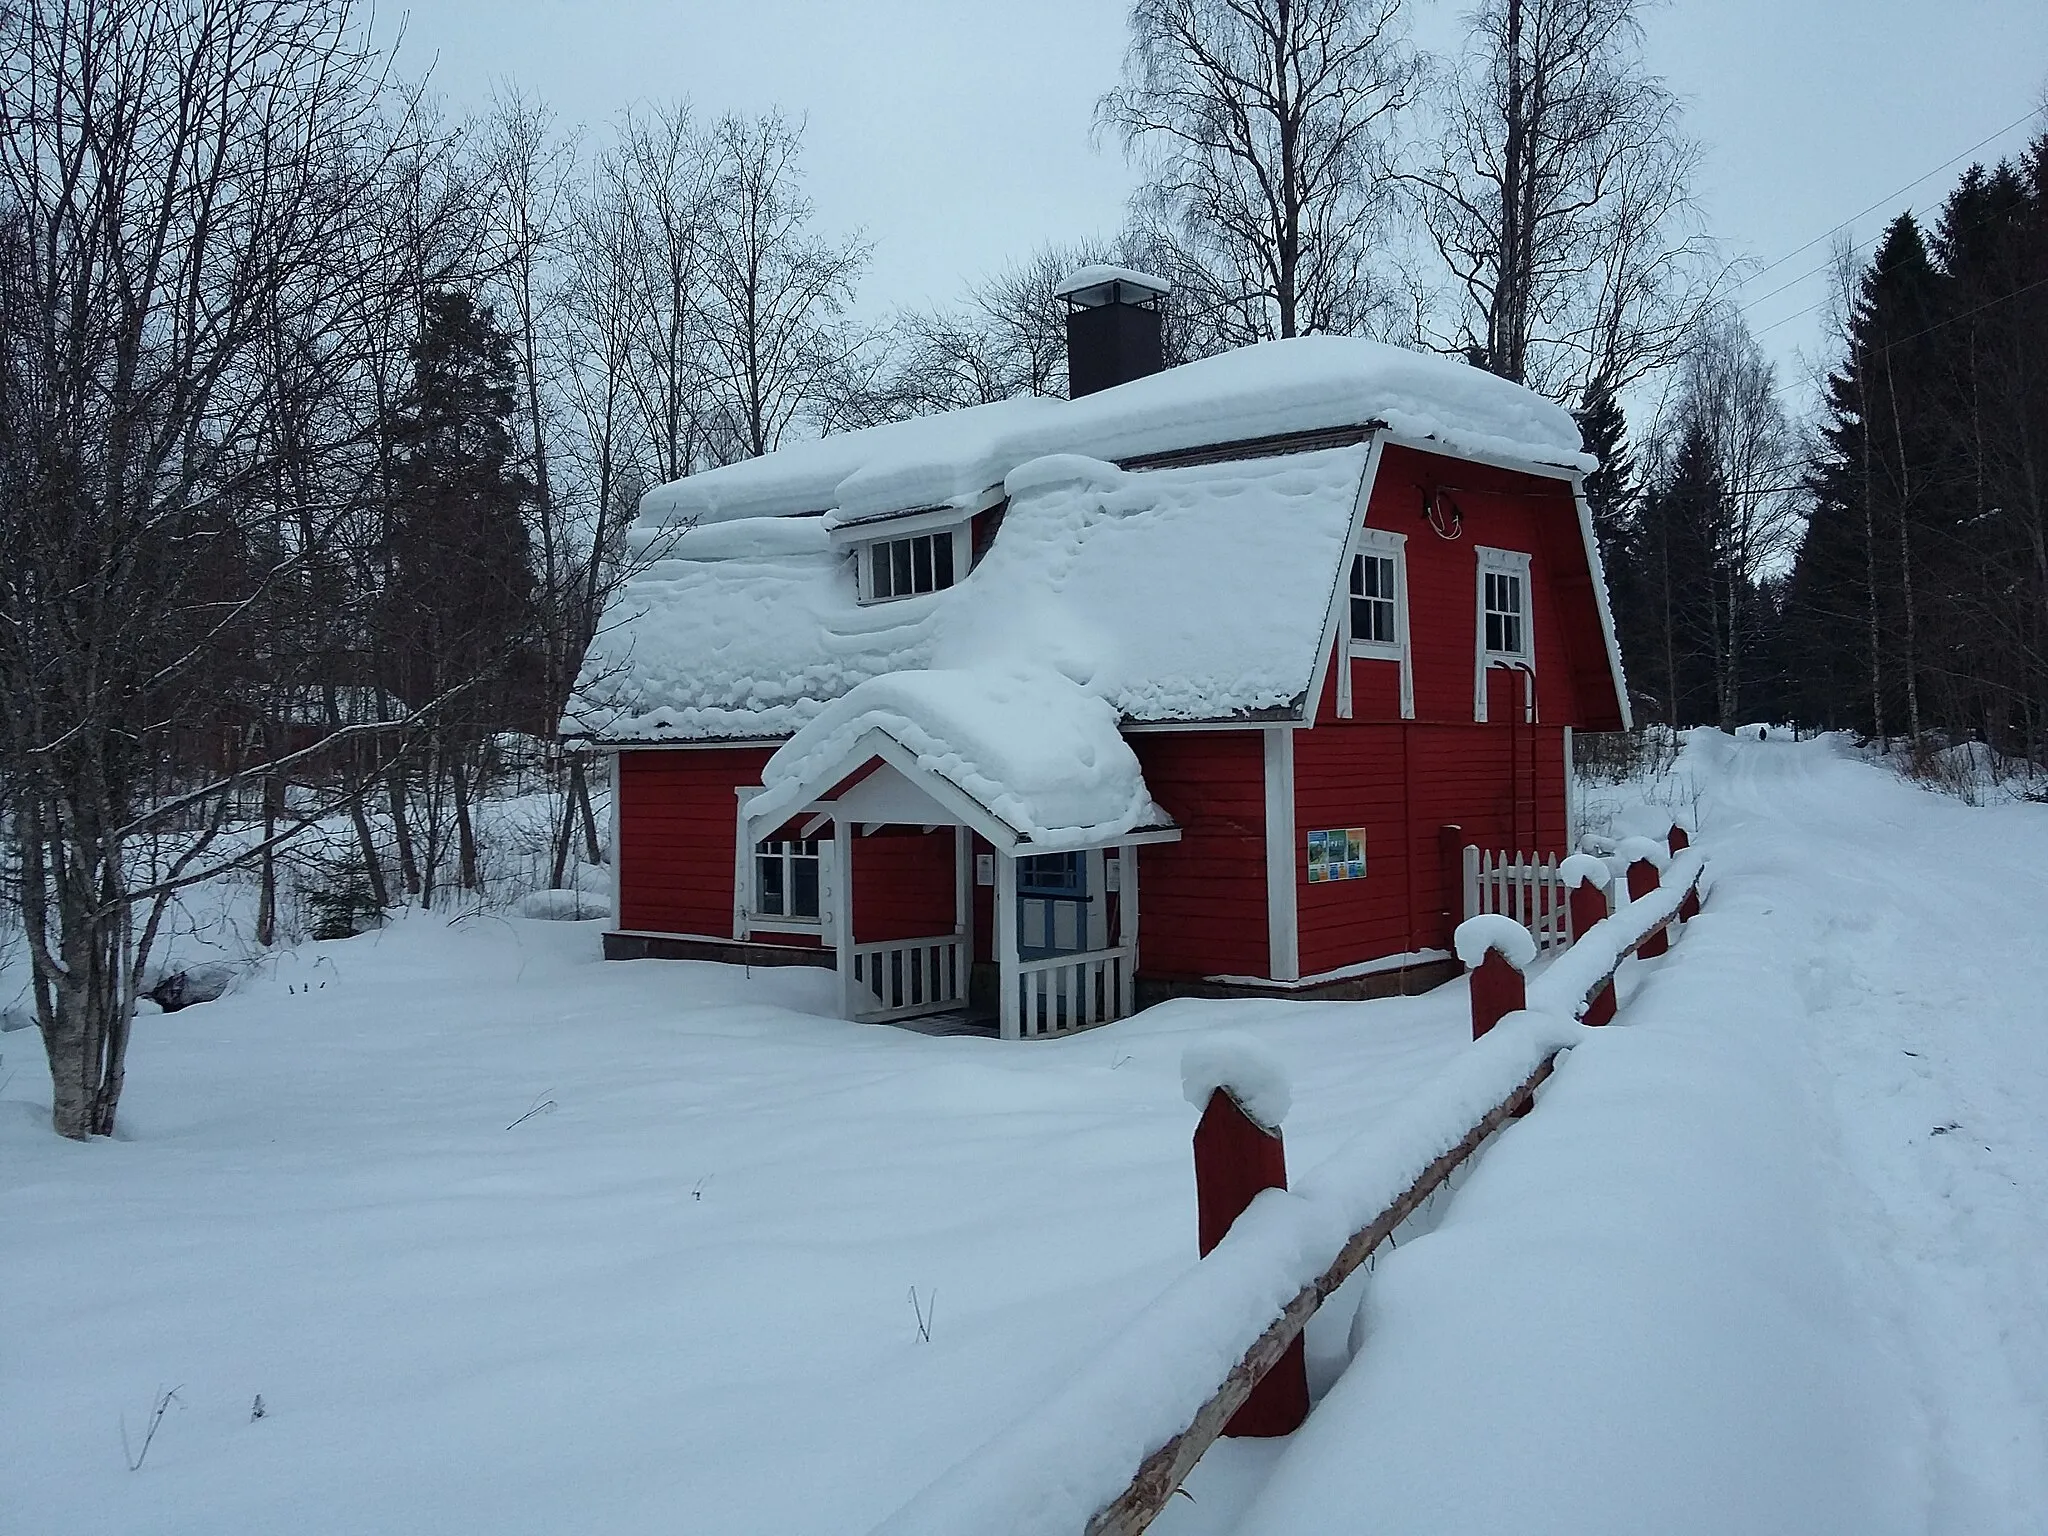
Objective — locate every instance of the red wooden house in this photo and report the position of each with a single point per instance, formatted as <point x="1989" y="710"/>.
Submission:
<point x="1249" y="649"/>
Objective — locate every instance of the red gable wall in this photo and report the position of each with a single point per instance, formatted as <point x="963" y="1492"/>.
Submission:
<point x="1505" y="510"/>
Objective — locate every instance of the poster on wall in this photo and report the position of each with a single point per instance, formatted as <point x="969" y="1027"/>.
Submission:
<point x="1336" y="855"/>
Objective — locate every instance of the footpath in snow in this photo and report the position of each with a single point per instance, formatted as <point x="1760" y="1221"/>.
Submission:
<point x="1768" y="1257"/>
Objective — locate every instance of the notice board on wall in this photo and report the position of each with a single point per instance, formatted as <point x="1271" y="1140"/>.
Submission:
<point x="1336" y="855"/>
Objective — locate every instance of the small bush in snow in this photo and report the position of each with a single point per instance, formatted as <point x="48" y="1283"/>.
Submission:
<point x="339" y="901"/>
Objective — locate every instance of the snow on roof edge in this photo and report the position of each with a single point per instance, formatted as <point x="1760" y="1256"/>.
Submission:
<point x="1278" y="388"/>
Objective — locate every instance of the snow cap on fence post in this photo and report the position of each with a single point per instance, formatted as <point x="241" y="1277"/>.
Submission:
<point x="1243" y="1092"/>
<point x="1585" y="869"/>
<point x="1496" y="950"/>
<point x="1242" y="1067"/>
<point x="1646" y="862"/>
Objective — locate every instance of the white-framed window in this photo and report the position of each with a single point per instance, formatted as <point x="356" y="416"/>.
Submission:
<point x="913" y="564"/>
<point x="1505" y="601"/>
<point x="1375" y="599"/>
<point x="1376" y="613"/>
<point x="786" y="880"/>
<point x="1505" y="637"/>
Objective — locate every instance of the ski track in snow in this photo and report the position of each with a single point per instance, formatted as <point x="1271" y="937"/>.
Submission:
<point x="1916" y="928"/>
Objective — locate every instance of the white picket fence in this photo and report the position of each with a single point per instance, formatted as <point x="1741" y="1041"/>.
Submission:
<point x="1063" y="993"/>
<point x="1522" y="886"/>
<point x="900" y="978"/>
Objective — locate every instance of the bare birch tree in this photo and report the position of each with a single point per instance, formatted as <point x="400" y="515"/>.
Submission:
<point x="1729" y="393"/>
<point x="1555" y="192"/>
<point x="1262" y="128"/>
<point x="779" y="291"/>
<point x="176" y="177"/>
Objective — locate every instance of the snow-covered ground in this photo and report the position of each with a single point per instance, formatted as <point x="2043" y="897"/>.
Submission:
<point x="1766" y="1258"/>
<point x="679" y="1298"/>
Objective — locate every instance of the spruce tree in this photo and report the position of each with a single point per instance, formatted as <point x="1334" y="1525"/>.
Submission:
<point x="1611" y="495"/>
<point x="1875" y="488"/>
<point x="459" y="606"/>
<point x="1684" y="585"/>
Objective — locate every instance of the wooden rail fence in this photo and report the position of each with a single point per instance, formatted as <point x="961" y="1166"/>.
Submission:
<point x="1234" y="1160"/>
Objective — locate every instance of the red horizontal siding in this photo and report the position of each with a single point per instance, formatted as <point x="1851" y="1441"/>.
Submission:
<point x="902" y="884"/>
<point x="1503" y="783"/>
<point x="1351" y="776"/>
<point x="1503" y="510"/>
<point x="1202" y="900"/>
<point x="678" y="816"/>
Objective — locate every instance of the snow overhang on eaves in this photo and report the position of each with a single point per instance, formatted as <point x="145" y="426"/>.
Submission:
<point x="950" y="803"/>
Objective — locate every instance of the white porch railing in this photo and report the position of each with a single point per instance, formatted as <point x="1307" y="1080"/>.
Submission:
<point x="899" y="978"/>
<point x="1064" y="993"/>
<point x="1521" y="886"/>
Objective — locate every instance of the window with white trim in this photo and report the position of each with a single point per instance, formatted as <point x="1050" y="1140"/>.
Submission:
<point x="906" y="567"/>
<point x="1505" y="637"/>
<point x="1375" y="599"/>
<point x="786" y="879"/>
<point x="1505" y="600"/>
<point x="1376" y="613"/>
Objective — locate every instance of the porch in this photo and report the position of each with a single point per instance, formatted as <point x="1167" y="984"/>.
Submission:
<point x="932" y="898"/>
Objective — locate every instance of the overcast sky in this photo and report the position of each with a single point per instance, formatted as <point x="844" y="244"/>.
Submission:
<point x="956" y="133"/>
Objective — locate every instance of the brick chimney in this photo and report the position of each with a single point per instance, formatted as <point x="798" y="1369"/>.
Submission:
<point x="1112" y="327"/>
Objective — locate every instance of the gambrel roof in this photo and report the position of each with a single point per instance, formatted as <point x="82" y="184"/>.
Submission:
<point x="1193" y="592"/>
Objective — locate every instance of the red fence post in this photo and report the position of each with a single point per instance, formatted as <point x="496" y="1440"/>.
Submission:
<point x="1235" y="1158"/>
<point x="1642" y="881"/>
<point x="1494" y="950"/>
<point x="1689" y="908"/>
<point x="1589" y="906"/>
<point x="1497" y="991"/>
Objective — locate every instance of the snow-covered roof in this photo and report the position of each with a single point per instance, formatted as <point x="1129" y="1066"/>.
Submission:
<point x="1038" y="753"/>
<point x="1306" y="384"/>
<point x="1196" y="593"/>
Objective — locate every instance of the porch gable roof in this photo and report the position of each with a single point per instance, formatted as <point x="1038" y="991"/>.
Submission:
<point x="1029" y="760"/>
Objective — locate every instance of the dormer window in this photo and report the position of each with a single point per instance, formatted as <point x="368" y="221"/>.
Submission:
<point x="911" y="565"/>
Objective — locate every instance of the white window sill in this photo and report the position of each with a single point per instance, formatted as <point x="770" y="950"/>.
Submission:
<point x="1374" y="650"/>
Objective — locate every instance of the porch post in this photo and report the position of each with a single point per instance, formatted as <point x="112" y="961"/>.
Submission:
<point x="1127" y="923"/>
<point x="963" y="888"/>
<point x="842" y="911"/>
<point x="1009" y="1015"/>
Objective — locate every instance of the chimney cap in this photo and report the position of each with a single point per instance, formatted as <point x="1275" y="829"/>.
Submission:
<point x="1093" y="286"/>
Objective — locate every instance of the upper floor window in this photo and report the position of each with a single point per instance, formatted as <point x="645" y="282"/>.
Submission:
<point x="922" y="562"/>
<point x="1506" y="600"/>
<point x="1504" y="637"/>
<point x="1373" y="599"/>
<point x="786" y="879"/>
<point x="1376" y="620"/>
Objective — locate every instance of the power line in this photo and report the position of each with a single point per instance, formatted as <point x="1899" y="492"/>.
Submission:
<point x="1909" y="186"/>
